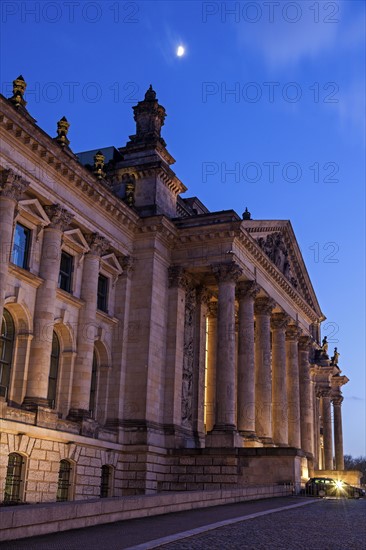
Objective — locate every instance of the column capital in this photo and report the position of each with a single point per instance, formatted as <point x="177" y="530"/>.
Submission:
<point x="212" y="309"/>
<point x="127" y="263"/>
<point x="226" y="272"/>
<point x="177" y="277"/>
<point x="279" y="321"/>
<point x="247" y="289"/>
<point x="305" y="343"/>
<point x="97" y="243"/>
<point x="203" y="295"/>
<point x="292" y="333"/>
<point x="59" y="217"/>
<point x="264" y="306"/>
<point x="12" y="186"/>
<point x="337" y="401"/>
<point x="323" y="392"/>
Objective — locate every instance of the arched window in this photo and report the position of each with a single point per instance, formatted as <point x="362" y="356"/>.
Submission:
<point x="106" y="481"/>
<point x="6" y="351"/>
<point x="52" y="379"/>
<point x="64" y="481"/>
<point x="14" y="479"/>
<point x="93" y="386"/>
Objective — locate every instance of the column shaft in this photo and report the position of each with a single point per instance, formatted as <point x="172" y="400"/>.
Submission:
<point x="211" y="366"/>
<point x="80" y="397"/>
<point x="44" y="311"/>
<point x="246" y="361"/>
<point x="306" y="408"/>
<point x="327" y="431"/>
<point x="338" y="434"/>
<point x="279" y="391"/>
<point x="263" y="376"/>
<point x="293" y="390"/>
<point x="11" y="189"/>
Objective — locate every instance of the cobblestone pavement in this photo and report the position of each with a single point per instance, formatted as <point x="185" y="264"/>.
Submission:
<point x="325" y="524"/>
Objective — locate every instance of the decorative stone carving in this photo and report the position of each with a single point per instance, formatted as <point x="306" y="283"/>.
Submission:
<point x="12" y="186"/>
<point x="263" y="306"/>
<point x="274" y="247"/>
<point x="226" y="272"/>
<point x="212" y="309"/>
<point x="127" y="264"/>
<point x="279" y="321"/>
<point x="97" y="243"/>
<point x="62" y="129"/>
<point x="149" y="117"/>
<point x="247" y="289"/>
<point x="19" y="86"/>
<point x="177" y="277"/>
<point x="203" y="295"/>
<point x="59" y="217"/>
<point x="129" y="181"/>
<point x="188" y="357"/>
<point x="337" y="401"/>
<point x="335" y="358"/>
<point x="305" y="343"/>
<point x="293" y="332"/>
<point x="98" y="168"/>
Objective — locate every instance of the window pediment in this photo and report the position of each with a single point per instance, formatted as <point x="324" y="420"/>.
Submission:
<point x="32" y="211"/>
<point x="74" y="240"/>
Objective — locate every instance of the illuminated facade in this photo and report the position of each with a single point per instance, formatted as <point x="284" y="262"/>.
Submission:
<point x="148" y="344"/>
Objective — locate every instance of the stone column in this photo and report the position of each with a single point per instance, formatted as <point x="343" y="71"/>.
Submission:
<point x="44" y="311"/>
<point x="80" y="396"/>
<point x="327" y="430"/>
<point x="174" y="349"/>
<point x="225" y="421"/>
<point x="293" y="389"/>
<point x="338" y="433"/>
<point x="263" y="374"/>
<point x="211" y="366"/>
<point x="203" y="297"/>
<point x="246" y="293"/>
<point x="306" y="401"/>
<point x="11" y="189"/>
<point x="279" y="322"/>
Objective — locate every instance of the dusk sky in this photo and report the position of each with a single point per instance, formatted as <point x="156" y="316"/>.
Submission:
<point x="265" y="110"/>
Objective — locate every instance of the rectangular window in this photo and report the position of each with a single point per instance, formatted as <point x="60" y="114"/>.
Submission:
<point x="21" y="244"/>
<point x="64" y="278"/>
<point x="102" y="302"/>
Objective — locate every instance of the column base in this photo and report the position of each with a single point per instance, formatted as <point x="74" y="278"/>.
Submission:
<point x="77" y="415"/>
<point x="219" y="437"/>
<point x="267" y="441"/>
<point x="250" y="439"/>
<point x="33" y="403"/>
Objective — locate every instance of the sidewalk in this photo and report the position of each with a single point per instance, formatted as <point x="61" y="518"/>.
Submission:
<point x="130" y="533"/>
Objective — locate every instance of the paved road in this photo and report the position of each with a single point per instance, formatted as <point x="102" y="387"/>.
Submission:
<point x="319" y="525"/>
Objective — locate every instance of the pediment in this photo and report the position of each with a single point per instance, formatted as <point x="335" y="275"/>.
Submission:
<point x="32" y="210"/>
<point x="75" y="240"/>
<point x="277" y="240"/>
<point x="111" y="264"/>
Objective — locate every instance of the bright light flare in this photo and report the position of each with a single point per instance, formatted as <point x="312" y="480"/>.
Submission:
<point x="180" y="51"/>
<point x="339" y="484"/>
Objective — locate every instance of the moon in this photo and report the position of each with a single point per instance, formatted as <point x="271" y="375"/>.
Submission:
<point x="180" y="51"/>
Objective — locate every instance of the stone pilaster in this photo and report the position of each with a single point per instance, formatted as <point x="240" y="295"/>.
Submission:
<point x="293" y="389"/>
<point x="246" y="293"/>
<point x="80" y="396"/>
<point x="279" y="322"/>
<point x="203" y="297"/>
<point x="306" y="401"/>
<point x="338" y="433"/>
<point x="327" y="429"/>
<point x="211" y="365"/>
<point x="263" y="373"/>
<point x="11" y="189"/>
<point x="44" y="311"/>
<point x="225" y="421"/>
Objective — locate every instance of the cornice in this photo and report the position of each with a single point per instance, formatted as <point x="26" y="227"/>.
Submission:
<point x="64" y="164"/>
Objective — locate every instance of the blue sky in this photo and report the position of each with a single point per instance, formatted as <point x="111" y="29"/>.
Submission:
<point x="265" y="110"/>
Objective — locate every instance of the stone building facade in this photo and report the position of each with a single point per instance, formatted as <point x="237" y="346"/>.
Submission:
<point x="148" y="344"/>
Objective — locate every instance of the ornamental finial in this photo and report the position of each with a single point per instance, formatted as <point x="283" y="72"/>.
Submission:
<point x="99" y="159"/>
<point x="62" y="129"/>
<point x="247" y="214"/>
<point x="19" y="86"/>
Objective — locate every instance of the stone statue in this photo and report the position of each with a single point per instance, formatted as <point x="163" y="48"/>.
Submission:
<point x="324" y="347"/>
<point x="335" y="357"/>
